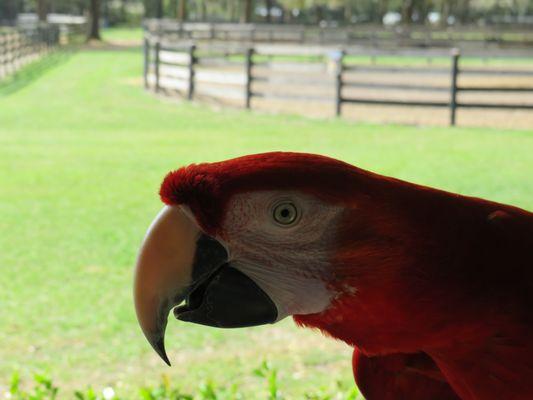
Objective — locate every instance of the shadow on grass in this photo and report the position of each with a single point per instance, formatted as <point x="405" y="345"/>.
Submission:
<point x="33" y="71"/>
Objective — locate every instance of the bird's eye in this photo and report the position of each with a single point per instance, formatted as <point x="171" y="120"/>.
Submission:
<point x="285" y="213"/>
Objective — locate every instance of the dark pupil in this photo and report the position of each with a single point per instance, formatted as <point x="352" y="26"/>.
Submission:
<point x="285" y="212"/>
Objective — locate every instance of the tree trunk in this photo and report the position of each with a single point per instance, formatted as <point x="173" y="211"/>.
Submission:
<point x="94" y="10"/>
<point x="232" y="15"/>
<point x="319" y="14"/>
<point x="246" y="16"/>
<point x="286" y="15"/>
<point x="407" y="11"/>
<point x="465" y="11"/>
<point x="348" y="12"/>
<point x="423" y="7"/>
<point x="182" y="10"/>
<point x="42" y="10"/>
<point x="159" y="9"/>
<point x="122" y="10"/>
<point x="445" y="9"/>
<point x="203" y="11"/>
<point x="106" y="13"/>
<point x="268" y="5"/>
<point x="383" y="8"/>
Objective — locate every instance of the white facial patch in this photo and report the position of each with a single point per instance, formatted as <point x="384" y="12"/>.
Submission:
<point x="290" y="263"/>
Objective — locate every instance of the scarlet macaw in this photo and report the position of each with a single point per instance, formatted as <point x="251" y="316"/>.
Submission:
<point x="433" y="290"/>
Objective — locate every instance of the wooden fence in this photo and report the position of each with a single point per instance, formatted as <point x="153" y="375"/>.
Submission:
<point x="18" y="47"/>
<point x="361" y="34"/>
<point x="329" y="75"/>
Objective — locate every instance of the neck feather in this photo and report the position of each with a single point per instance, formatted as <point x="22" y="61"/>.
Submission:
<point x="418" y="268"/>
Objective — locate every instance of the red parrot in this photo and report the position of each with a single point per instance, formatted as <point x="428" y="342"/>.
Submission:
<point x="433" y="290"/>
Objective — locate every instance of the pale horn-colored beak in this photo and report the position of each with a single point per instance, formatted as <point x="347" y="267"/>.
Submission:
<point x="164" y="272"/>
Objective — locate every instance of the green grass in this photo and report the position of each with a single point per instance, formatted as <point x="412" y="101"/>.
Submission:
<point x="83" y="149"/>
<point x="32" y="71"/>
<point x="122" y="33"/>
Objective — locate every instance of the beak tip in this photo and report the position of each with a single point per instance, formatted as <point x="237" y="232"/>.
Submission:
<point x="159" y="347"/>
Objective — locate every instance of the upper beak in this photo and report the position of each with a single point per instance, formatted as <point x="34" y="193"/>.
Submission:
<point x="164" y="272"/>
<point x="179" y="263"/>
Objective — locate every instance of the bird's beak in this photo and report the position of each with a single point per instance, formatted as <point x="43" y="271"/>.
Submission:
<point x="178" y="264"/>
<point x="163" y="272"/>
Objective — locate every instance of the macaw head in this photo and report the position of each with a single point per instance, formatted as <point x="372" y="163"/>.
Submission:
<point x="252" y="240"/>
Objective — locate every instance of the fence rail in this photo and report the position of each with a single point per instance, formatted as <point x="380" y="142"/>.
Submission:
<point x="362" y="34"/>
<point x="288" y="73"/>
<point x="18" y="47"/>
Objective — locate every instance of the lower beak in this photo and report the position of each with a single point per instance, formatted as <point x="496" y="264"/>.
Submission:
<point x="179" y="264"/>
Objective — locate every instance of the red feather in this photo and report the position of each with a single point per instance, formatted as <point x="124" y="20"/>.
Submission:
<point x="418" y="270"/>
<point x="400" y="376"/>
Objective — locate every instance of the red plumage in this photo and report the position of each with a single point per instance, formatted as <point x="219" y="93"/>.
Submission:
<point x="436" y="276"/>
<point x="400" y="376"/>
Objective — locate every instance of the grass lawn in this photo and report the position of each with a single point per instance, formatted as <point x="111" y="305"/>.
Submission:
<point x="83" y="150"/>
<point x="123" y="33"/>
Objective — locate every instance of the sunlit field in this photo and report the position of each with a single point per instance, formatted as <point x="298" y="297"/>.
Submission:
<point x="83" y="149"/>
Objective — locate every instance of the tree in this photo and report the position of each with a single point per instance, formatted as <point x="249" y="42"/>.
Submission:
<point x="412" y="8"/>
<point x="407" y="11"/>
<point x="383" y="7"/>
<point x="42" y="10"/>
<point x="94" y="11"/>
<point x="246" y="15"/>
<point x="8" y="10"/>
<point x="319" y="8"/>
<point x="122" y="10"/>
<point x="203" y="10"/>
<point x="464" y="11"/>
<point x="446" y="7"/>
<point x="268" y="6"/>
<point x="182" y="10"/>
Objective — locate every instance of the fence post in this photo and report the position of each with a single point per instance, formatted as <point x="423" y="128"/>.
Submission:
<point x="146" y="61"/>
<point x="249" y="77"/>
<point x="338" y="57"/>
<point x="157" y="49"/>
<point x="453" y="88"/>
<point x="192" y="61"/>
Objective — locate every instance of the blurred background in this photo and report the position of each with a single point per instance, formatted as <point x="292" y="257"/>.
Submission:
<point x="99" y="99"/>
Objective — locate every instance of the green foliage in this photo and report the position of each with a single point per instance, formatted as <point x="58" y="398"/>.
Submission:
<point x="87" y="394"/>
<point x="270" y="374"/>
<point x="131" y="11"/>
<point x="43" y="388"/>
<point x="163" y="392"/>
